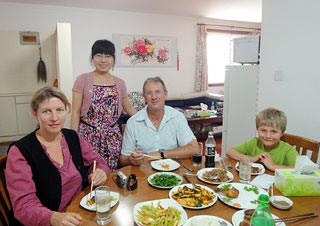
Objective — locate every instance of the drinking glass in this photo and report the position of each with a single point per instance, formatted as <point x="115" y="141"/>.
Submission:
<point x="102" y="200"/>
<point x="197" y="155"/>
<point x="245" y="169"/>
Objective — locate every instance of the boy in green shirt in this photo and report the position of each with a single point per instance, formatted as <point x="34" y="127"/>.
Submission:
<point x="267" y="148"/>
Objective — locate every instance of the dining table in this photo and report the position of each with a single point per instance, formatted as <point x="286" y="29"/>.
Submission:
<point x="122" y="212"/>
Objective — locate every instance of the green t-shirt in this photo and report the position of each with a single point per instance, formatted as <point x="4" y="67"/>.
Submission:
<point x="283" y="154"/>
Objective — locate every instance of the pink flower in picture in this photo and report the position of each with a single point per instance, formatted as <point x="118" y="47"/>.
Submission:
<point x="162" y="56"/>
<point x="139" y="50"/>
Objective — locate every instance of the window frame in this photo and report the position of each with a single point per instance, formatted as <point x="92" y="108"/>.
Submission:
<point x="230" y="30"/>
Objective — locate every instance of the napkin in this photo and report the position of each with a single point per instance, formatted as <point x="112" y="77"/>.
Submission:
<point x="304" y="165"/>
<point x="263" y="181"/>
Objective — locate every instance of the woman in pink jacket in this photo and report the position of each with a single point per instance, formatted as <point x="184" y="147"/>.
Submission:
<point x="97" y="102"/>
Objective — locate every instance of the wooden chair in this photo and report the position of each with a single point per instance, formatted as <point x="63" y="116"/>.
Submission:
<point x="303" y="145"/>
<point x="5" y="205"/>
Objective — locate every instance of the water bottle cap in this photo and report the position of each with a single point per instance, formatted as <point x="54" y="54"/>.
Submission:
<point x="210" y="133"/>
<point x="264" y="198"/>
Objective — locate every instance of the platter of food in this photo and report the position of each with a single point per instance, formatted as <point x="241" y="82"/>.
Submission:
<point x="215" y="175"/>
<point x="240" y="196"/>
<point x="256" y="168"/>
<point x="159" y="212"/>
<point x="164" y="180"/>
<point x="165" y="165"/>
<point x="201" y="220"/>
<point x="242" y="218"/>
<point x="198" y="197"/>
<point x="89" y="204"/>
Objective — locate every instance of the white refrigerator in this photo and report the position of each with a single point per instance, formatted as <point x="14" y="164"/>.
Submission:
<point x="240" y="104"/>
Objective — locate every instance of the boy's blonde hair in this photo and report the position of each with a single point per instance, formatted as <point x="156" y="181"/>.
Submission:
<point x="272" y="117"/>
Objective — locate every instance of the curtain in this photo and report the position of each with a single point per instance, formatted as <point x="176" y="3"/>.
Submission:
<point x="201" y="79"/>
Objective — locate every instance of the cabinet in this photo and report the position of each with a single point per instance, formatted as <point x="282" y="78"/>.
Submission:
<point x="201" y="126"/>
<point x="16" y="119"/>
<point x="8" y="113"/>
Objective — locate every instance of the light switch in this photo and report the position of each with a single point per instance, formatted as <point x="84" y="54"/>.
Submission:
<point x="278" y="76"/>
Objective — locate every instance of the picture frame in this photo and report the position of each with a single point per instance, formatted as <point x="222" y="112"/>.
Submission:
<point x="145" y="50"/>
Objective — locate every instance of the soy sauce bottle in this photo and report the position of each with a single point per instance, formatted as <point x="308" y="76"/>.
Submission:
<point x="210" y="150"/>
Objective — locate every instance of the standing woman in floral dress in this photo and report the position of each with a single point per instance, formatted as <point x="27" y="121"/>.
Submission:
<point x="98" y="98"/>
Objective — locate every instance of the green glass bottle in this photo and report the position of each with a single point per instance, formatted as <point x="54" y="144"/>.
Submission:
<point x="262" y="215"/>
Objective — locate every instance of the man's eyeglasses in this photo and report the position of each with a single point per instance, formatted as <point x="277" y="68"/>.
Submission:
<point x="155" y="92"/>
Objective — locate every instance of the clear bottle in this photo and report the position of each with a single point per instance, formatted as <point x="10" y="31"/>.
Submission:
<point x="262" y="215"/>
<point x="213" y="106"/>
<point x="210" y="150"/>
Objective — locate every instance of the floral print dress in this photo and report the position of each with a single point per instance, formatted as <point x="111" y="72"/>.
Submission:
<point x="99" y="126"/>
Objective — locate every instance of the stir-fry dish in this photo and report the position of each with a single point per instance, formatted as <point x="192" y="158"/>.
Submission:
<point x="193" y="197"/>
<point x="255" y="169"/>
<point x="247" y="216"/>
<point x="221" y="173"/>
<point x="158" y="215"/>
<point x="165" y="180"/>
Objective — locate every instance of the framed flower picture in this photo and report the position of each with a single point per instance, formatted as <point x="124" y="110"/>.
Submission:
<point x="143" y="50"/>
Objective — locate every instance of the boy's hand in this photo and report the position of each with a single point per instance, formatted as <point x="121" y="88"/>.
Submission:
<point x="267" y="161"/>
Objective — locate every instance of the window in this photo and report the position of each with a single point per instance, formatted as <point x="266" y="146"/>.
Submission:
<point x="219" y="54"/>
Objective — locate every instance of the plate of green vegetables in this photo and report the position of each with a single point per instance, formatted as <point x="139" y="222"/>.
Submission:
<point x="164" y="180"/>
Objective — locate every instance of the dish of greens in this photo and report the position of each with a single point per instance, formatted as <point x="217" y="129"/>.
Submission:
<point x="164" y="180"/>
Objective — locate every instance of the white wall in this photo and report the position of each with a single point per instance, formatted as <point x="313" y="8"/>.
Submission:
<point x="88" y="25"/>
<point x="291" y="47"/>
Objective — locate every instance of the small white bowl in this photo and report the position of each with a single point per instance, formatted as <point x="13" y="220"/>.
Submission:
<point x="281" y="202"/>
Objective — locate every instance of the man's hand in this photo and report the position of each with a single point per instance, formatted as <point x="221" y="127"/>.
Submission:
<point x="136" y="158"/>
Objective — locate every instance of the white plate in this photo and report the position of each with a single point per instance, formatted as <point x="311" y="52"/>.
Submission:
<point x="245" y="200"/>
<point x="164" y="173"/>
<point x="175" y="189"/>
<point x="238" y="216"/>
<point x="84" y="200"/>
<point x="208" y="220"/>
<point x="261" y="167"/>
<point x="281" y="198"/>
<point x="202" y="171"/>
<point x="159" y="165"/>
<point x="165" y="203"/>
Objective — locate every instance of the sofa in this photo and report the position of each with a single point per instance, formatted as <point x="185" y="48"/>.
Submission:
<point x="180" y="101"/>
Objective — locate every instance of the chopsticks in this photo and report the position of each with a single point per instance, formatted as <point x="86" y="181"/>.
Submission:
<point x="184" y="165"/>
<point x="296" y="218"/>
<point x="149" y="156"/>
<point x="94" y="168"/>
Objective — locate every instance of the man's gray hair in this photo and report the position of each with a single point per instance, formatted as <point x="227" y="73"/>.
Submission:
<point x="154" y="79"/>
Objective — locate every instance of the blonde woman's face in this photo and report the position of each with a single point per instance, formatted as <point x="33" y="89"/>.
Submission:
<point x="269" y="136"/>
<point x="51" y="115"/>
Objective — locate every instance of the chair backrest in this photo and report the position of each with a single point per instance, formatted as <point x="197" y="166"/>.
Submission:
<point x="5" y="205"/>
<point x="303" y="145"/>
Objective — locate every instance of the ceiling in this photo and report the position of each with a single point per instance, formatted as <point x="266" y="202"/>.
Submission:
<point x="240" y="10"/>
